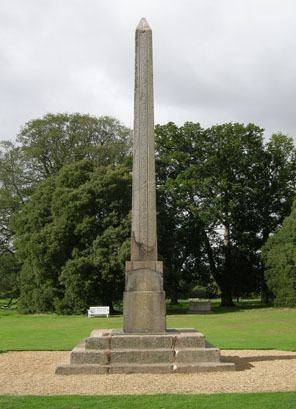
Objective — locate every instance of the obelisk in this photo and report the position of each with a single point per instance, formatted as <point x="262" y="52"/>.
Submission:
<point x="144" y="298"/>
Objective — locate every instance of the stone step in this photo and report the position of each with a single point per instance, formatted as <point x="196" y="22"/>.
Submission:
<point x="204" y="367"/>
<point x="75" y="369"/>
<point x="104" y="357"/>
<point x="181" y="350"/>
<point x="104" y="340"/>
<point x="80" y="355"/>
<point x="190" y="355"/>
<point x="80" y="369"/>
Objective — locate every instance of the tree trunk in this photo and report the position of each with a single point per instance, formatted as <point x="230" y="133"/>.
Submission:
<point x="221" y="279"/>
<point x="226" y="298"/>
<point x="266" y="295"/>
<point x="226" y="290"/>
<point x="174" y="292"/>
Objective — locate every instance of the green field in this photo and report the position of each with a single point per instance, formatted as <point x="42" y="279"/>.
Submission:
<point x="278" y="400"/>
<point x="246" y="327"/>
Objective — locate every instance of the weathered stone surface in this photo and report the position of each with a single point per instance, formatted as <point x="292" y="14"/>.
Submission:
<point x="144" y="264"/>
<point x="142" y="368"/>
<point x="117" y="339"/>
<point x="204" y="367"/>
<point x="144" y="299"/>
<point x="197" y="355"/>
<point x="143" y="342"/>
<point x="89" y="369"/>
<point x="67" y="369"/>
<point x="81" y="355"/>
<point x="101" y="342"/>
<point x="190" y="340"/>
<point x="144" y="312"/>
<point x="144" y="280"/>
<point x="199" y="306"/>
<point x="145" y="356"/>
<point x="144" y="239"/>
<point x="172" y="352"/>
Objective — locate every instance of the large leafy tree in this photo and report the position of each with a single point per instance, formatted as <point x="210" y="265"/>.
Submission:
<point x="72" y="239"/>
<point x="16" y="184"/>
<point x="55" y="140"/>
<point x="280" y="260"/>
<point x="9" y="269"/>
<point x="221" y="177"/>
<point x="179" y="232"/>
<point x="43" y="147"/>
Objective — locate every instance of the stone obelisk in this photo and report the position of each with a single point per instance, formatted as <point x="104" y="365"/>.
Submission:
<point x="144" y="345"/>
<point x="144" y="298"/>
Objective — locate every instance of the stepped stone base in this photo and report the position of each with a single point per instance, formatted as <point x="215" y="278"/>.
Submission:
<point x="175" y="351"/>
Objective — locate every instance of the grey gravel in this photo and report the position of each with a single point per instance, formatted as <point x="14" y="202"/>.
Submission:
<point x="33" y="373"/>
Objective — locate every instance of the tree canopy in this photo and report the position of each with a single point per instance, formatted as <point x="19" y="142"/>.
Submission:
<point x="65" y="199"/>
<point x="234" y="188"/>
<point x="72" y="239"/>
<point x="280" y="260"/>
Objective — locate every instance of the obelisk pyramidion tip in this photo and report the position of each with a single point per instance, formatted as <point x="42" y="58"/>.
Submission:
<point x="143" y="25"/>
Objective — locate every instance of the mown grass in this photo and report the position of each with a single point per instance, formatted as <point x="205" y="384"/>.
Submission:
<point x="278" y="400"/>
<point x="247" y="326"/>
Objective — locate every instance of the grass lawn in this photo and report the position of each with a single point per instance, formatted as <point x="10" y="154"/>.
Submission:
<point x="245" y="327"/>
<point x="286" y="400"/>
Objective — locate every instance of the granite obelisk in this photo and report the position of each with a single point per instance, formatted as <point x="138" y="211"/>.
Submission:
<point x="144" y="345"/>
<point x="144" y="298"/>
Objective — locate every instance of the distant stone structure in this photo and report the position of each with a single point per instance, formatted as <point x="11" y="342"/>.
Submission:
<point x="144" y="345"/>
<point x="199" y="306"/>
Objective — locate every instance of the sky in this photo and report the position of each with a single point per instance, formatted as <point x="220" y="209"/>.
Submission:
<point x="215" y="61"/>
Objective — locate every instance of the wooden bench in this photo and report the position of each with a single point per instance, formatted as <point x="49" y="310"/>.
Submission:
<point x="98" y="311"/>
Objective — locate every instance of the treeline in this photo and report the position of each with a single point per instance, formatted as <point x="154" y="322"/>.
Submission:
<point x="223" y="194"/>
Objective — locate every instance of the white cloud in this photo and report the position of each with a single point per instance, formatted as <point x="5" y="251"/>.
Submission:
<point x="214" y="61"/>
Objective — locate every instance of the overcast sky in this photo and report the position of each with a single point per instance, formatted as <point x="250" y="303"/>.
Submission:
<point x="215" y="61"/>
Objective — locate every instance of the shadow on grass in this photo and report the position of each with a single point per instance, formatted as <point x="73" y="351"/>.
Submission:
<point x="245" y="363"/>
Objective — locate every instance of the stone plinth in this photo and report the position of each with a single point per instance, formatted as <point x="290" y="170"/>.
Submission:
<point x="112" y="351"/>
<point x="199" y="306"/>
<point x="144" y="299"/>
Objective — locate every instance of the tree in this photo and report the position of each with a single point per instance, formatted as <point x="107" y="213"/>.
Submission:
<point x="16" y="183"/>
<point x="9" y="269"/>
<point x="43" y="147"/>
<point x="278" y="190"/>
<point x="53" y="141"/>
<point x="178" y="230"/>
<point x="72" y="239"/>
<point x="280" y="260"/>
<point x="221" y="177"/>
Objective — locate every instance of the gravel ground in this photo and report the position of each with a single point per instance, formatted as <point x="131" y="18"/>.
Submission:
<point x="33" y="373"/>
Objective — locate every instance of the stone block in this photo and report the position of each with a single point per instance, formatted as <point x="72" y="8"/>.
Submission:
<point x="102" y="342"/>
<point x="190" y="340"/>
<point x="176" y="350"/>
<point x="144" y="280"/>
<point x="144" y="312"/>
<point x="204" y="367"/>
<point x="142" y="368"/>
<point x="144" y="265"/>
<point x="199" y="306"/>
<point x="141" y="342"/>
<point x="196" y="355"/>
<point x="84" y="356"/>
<point x="89" y="369"/>
<point x="143" y="356"/>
